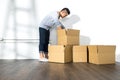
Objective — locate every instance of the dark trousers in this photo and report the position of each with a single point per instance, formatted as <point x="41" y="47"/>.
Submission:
<point x="43" y="40"/>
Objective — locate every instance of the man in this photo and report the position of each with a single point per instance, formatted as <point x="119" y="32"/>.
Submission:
<point x="51" y="20"/>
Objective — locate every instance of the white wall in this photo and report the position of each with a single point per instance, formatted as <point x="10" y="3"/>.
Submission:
<point x="98" y="21"/>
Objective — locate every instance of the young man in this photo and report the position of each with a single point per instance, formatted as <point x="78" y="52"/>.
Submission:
<point x="51" y="20"/>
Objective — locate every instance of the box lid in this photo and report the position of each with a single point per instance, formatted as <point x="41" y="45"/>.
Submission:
<point x="70" y="32"/>
<point x="102" y="48"/>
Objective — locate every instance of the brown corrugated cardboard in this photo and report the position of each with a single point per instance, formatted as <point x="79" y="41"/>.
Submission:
<point x="79" y="53"/>
<point x="60" y="53"/>
<point x="68" y="37"/>
<point x="102" y="54"/>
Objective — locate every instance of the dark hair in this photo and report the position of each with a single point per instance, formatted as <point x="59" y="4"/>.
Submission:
<point x="68" y="11"/>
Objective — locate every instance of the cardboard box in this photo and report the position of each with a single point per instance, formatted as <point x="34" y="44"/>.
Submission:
<point x="68" y="37"/>
<point x="79" y="53"/>
<point x="60" y="53"/>
<point x="102" y="54"/>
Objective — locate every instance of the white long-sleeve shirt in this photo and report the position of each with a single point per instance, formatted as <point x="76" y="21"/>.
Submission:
<point x="51" y="20"/>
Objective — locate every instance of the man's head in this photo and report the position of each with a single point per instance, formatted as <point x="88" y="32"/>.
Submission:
<point x="64" y="12"/>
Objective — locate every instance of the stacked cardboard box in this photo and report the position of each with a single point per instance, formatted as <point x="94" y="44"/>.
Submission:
<point x="102" y="54"/>
<point x="68" y="37"/>
<point x="79" y="53"/>
<point x="59" y="53"/>
<point x="68" y="50"/>
<point x="62" y="52"/>
<point x="96" y="54"/>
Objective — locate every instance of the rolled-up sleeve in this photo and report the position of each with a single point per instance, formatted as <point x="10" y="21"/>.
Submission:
<point x="51" y="20"/>
<point x="59" y="24"/>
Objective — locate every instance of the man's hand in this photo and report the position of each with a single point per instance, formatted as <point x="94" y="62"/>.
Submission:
<point x="59" y="27"/>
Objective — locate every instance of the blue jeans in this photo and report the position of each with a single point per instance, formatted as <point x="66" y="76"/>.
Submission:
<point x="43" y="40"/>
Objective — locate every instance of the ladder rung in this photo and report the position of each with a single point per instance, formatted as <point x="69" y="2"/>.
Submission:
<point x="19" y="40"/>
<point x="24" y="25"/>
<point x="23" y="9"/>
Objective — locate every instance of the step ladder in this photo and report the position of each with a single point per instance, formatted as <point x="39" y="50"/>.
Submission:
<point x="13" y="27"/>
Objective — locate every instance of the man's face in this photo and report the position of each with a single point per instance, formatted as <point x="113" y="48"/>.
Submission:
<point x="63" y="13"/>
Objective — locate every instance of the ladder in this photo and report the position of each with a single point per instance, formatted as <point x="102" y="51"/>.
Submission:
<point x="13" y="27"/>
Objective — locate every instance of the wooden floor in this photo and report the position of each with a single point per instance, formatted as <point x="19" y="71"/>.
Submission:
<point x="34" y="70"/>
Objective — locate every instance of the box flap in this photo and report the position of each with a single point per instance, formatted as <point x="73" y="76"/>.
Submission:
<point x="92" y="48"/>
<point x="61" y="32"/>
<point x="53" y="48"/>
<point x="72" y="32"/>
<point x="106" y="49"/>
